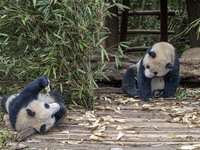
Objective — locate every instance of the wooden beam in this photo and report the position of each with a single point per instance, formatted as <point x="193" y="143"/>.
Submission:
<point x="136" y="49"/>
<point x="144" y="31"/>
<point x="124" y="21"/>
<point x="163" y="21"/>
<point x="148" y="12"/>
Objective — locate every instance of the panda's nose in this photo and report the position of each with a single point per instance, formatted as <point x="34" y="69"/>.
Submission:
<point x="155" y="73"/>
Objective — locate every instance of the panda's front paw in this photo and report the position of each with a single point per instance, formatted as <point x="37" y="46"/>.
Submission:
<point x="158" y="93"/>
<point x="43" y="81"/>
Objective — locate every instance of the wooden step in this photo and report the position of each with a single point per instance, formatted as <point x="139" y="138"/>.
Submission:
<point x="148" y="12"/>
<point x="144" y="31"/>
<point x="136" y="49"/>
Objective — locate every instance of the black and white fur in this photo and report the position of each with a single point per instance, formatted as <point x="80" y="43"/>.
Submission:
<point x="157" y="71"/>
<point x="31" y="109"/>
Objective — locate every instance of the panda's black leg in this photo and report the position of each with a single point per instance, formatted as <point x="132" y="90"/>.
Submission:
<point x="129" y="81"/>
<point x="172" y="79"/>
<point x="145" y="89"/>
<point x="171" y="85"/>
<point x="144" y="85"/>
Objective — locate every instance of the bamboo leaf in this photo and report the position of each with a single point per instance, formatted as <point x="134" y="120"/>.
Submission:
<point x="57" y="36"/>
<point x="61" y="87"/>
<point x="101" y="40"/>
<point x="34" y="3"/>
<point x="80" y="70"/>
<point x="3" y="34"/>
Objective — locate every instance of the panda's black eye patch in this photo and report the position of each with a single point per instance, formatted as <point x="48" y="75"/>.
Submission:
<point x="155" y="73"/>
<point x="46" y="106"/>
<point x="30" y="112"/>
<point x="148" y="67"/>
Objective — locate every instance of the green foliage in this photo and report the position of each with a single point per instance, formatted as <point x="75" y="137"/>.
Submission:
<point x="184" y="93"/>
<point x="54" y="38"/>
<point x="5" y="135"/>
<point x="193" y="25"/>
<point x="4" y="138"/>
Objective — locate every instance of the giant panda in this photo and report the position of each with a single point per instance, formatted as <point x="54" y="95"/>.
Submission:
<point x="31" y="109"/>
<point x="156" y="74"/>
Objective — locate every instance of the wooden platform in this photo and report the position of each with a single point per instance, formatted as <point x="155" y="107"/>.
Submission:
<point x="142" y="126"/>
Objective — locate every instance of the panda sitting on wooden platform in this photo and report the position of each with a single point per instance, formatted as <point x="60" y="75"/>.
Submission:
<point x="30" y="109"/>
<point x="156" y="74"/>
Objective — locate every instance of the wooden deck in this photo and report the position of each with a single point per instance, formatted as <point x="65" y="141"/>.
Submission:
<point x="142" y="126"/>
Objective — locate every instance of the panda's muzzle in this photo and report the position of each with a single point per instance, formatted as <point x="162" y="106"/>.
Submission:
<point x="54" y="107"/>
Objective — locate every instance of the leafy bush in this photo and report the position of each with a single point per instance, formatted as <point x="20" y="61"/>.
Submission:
<point x="54" y="38"/>
<point x="195" y="23"/>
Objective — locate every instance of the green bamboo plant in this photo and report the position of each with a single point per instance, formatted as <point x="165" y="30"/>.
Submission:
<point x="54" y="38"/>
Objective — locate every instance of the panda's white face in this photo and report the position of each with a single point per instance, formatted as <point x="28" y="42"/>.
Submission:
<point x="158" y="70"/>
<point x="148" y="73"/>
<point x="159" y="61"/>
<point x="39" y="115"/>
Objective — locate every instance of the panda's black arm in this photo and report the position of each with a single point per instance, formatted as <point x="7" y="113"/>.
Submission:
<point x="33" y="89"/>
<point x="172" y="80"/>
<point x="129" y="81"/>
<point x="171" y="84"/>
<point x="144" y="84"/>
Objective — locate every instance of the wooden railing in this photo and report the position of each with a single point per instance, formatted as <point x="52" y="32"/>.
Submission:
<point x="163" y="13"/>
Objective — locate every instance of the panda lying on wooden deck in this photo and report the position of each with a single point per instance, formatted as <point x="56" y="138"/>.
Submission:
<point x="32" y="111"/>
<point x="157" y="72"/>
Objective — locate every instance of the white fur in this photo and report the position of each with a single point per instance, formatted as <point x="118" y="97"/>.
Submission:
<point x="148" y="73"/>
<point x="157" y="83"/>
<point x="45" y="98"/>
<point x="9" y="100"/>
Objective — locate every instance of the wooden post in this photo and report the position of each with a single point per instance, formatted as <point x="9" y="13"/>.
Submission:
<point x="193" y="9"/>
<point x="113" y="25"/>
<point x="124" y="21"/>
<point x="163" y="20"/>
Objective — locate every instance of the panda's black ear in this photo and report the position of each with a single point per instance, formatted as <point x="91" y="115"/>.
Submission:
<point x="43" y="128"/>
<point x="30" y="112"/>
<point x="152" y="54"/>
<point x="169" y="66"/>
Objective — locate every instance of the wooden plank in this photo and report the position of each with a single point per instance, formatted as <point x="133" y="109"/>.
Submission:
<point x="104" y="146"/>
<point x="148" y="12"/>
<point x="144" y="31"/>
<point x="136" y="49"/>
<point x="149" y="128"/>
